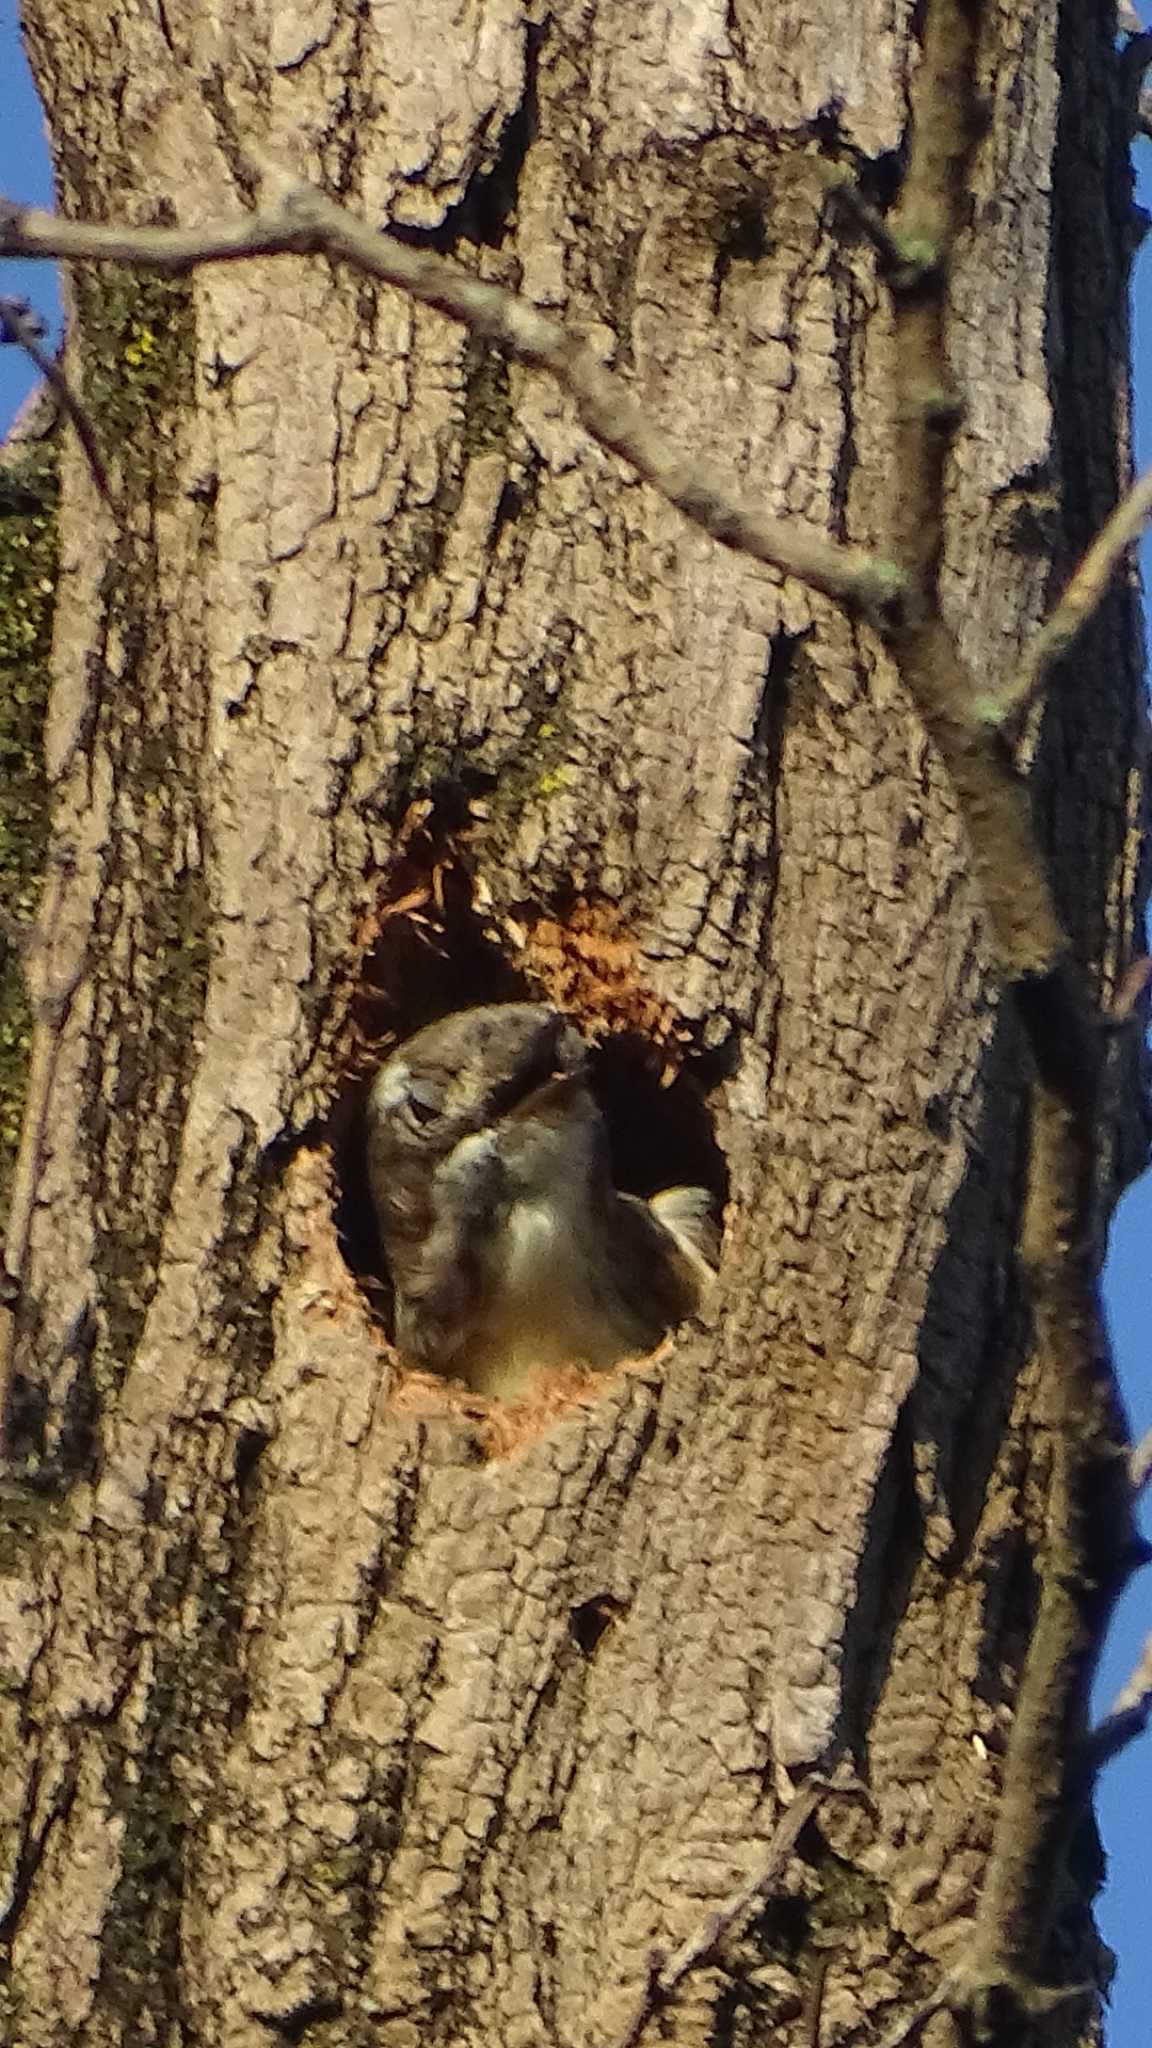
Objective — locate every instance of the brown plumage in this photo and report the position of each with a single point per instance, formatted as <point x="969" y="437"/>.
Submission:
<point x="509" y="1249"/>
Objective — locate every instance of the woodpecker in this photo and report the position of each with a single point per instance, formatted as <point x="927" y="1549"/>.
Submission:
<point x="508" y="1247"/>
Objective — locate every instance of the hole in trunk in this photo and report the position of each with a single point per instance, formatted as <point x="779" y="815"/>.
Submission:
<point x="436" y="950"/>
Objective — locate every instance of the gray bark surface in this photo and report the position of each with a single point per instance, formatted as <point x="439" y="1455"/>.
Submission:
<point x="336" y="1710"/>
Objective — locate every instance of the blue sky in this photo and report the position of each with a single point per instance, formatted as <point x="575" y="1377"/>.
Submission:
<point x="1125" y="1803"/>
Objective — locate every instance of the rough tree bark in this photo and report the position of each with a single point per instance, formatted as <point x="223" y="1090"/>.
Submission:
<point x="336" y="1710"/>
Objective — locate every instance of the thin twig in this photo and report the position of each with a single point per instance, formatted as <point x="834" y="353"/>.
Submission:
<point x="305" y="223"/>
<point x="976" y="2005"/>
<point x="1085" y="1549"/>
<point x="1127" y="1717"/>
<point x="1082" y="596"/>
<point x="911" y="2025"/>
<point x="1029" y="939"/>
<point x="20" y="326"/>
<point x="702" y="1947"/>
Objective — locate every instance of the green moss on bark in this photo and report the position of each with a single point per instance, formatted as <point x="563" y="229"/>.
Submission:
<point x="28" y="554"/>
<point x="138" y="337"/>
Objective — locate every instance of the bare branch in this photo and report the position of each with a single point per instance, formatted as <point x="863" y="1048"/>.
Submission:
<point x="1085" y="1550"/>
<point x="1127" y="1717"/>
<point x="23" y="329"/>
<point x="910" y="2026"/>
<point x="305" y="223"/>
<point x="702" y="1947"/>
<point x="1082" y="596"/>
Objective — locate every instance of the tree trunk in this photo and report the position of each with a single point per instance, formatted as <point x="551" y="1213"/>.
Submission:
<point x="341" y="1708"/>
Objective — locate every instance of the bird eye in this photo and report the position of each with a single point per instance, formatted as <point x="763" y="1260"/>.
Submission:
<point x="422" y="1109"/>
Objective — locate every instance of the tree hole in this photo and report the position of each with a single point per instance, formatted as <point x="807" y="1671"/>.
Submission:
<point x="436" y="948"/>
<point x="590" y="1622"/>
